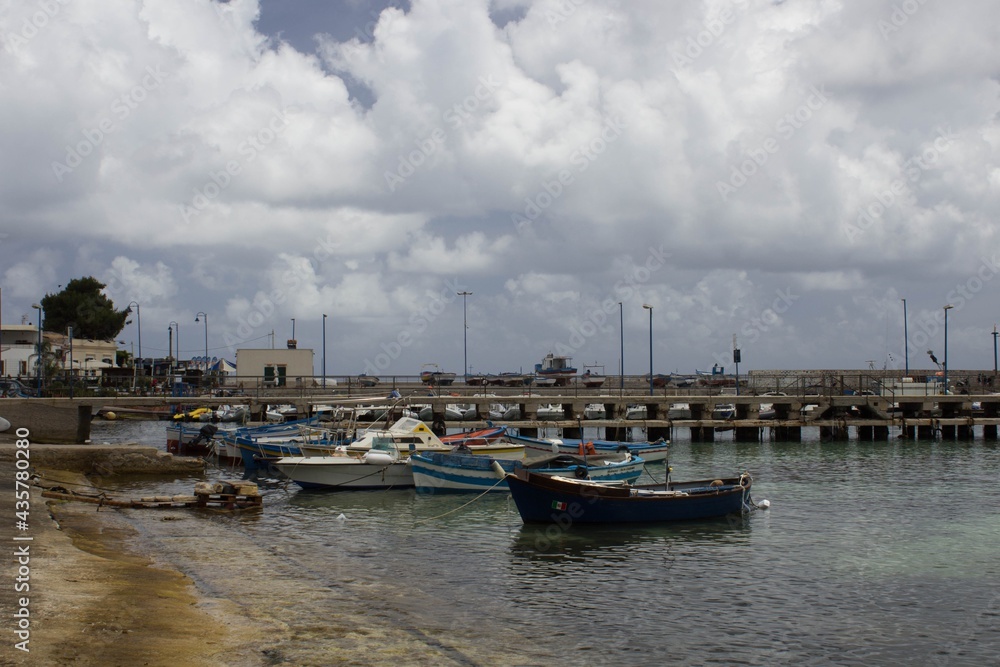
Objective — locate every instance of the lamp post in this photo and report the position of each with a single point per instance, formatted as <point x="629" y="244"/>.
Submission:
<point x="138" y="324"/>
<point x="38" y="352"/>
<point x="650" y="308"/>
<point x="906" y="339"/>
<point x="324" y="350"/>
<point x="621" y="353"/>
<point x="175" y="327"/>
<point x="465" y="333"/>
<point x="204" y="315"/>
<point x="994" y="350"/>
<point x="293" y="328"/>
<point x="69" y="334"/>
<point x="946" y="309"/>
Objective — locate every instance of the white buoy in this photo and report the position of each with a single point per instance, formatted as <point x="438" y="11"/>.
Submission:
<point x="4" y="424"/>
<point x="764" y="504"/>
<point x="342" y="517"/>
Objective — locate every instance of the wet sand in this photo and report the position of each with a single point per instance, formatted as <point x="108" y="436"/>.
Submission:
<point x="93" y="601"/>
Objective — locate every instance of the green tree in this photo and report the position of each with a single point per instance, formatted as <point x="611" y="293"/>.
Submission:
<point x="82" y="306"/>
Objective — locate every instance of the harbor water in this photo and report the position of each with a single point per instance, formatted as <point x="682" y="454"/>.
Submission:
<point x="870" y="554"/>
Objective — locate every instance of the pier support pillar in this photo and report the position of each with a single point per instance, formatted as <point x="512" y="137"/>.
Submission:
<point x="990" y="432"/>
<point x="747" y="434"/>
<point x="702" y="434"/>
<point x="656" y="432"/>
<point x="618" y="433"/>
<point x="788" y="433"/>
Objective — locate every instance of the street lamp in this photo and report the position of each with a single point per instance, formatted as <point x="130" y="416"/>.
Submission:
<point x="465" y="332"/>
<point x="650" y="308"/>
<point x="138" y="324"/>
<point x="69" y="334"/>
<point x="946" y="309"/>
<point x="906" y="340"/>
<point x="203" y="314"/>
<point x="293" y="328"/>
<point x="621" y="354"/>
<point x="994" y="350"/>
<point x="176" y="328"/>
<point x="324" y="350"/>
<point x="38" y="352"/>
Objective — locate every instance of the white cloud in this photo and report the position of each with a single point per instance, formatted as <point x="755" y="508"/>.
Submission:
<point x="174" y="144"/>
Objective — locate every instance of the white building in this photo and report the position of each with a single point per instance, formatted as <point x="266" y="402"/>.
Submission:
<point x="274" y="368"/>
<point x="18" y="349"/>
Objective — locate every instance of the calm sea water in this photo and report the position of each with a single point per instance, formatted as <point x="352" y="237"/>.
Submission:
<point x="871" y="553"/>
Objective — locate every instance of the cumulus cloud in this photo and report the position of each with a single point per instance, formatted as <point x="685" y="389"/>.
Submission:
<point x="538" y="152"/>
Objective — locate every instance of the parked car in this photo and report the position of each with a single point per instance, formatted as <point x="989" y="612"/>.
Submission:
<point x="11" y="388"/>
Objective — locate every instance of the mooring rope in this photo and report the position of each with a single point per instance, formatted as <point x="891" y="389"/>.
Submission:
<point x="498" y="482"/>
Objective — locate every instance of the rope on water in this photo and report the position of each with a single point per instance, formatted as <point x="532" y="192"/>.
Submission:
<point x="498" y="482"/>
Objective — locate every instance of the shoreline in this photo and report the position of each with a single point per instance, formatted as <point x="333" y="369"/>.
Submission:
<point x="94" y="600"/>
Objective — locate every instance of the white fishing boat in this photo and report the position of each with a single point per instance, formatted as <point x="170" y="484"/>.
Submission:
<point x="594" y="411"/>
<point x="411" y="435"/>
<point x="381" y="467"/>
<point x="679" y="411"/>
<point x="635" y="412"/>
<point x="550" y="411"/>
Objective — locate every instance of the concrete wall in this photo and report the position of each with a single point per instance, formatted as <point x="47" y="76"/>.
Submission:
<point x="49" y="421"/>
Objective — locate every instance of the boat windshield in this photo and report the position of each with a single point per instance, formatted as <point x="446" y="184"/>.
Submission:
<point x="384" y="444"/>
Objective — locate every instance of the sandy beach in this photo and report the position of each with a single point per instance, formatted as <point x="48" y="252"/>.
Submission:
<point x="94" y="601"/>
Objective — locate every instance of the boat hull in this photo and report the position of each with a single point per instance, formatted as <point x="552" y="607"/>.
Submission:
<point x="333" y="473"/>
<point x="650" y="451"/>
<point x="565" y="502"/>
<point x="448" y="473"/>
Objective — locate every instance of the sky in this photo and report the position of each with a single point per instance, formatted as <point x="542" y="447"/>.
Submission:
<point x="787" y="172"/>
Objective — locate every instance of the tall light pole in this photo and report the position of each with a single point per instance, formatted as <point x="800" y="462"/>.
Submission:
<point x="177" y="348"/>
<point x="994" y="351"/>
<point x="204" y="315"/>
<point x="69" y="334"/>
<point x="138" y="324"/>
<point x="906" y="339"/>
<point x="465" y="332"/>
<point x="293" y="329"/>
<point x="650" y="308"/>
<point x="38" y="352"/>
<point x="621" y="353"/>
<point x="324" y="350"/>
<point x="946" y="309"/>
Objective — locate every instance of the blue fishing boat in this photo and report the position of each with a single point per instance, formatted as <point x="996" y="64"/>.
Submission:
<point x="568" y="502"/>
<point x="650" y="451"/>
<point x="456" y="472"/>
